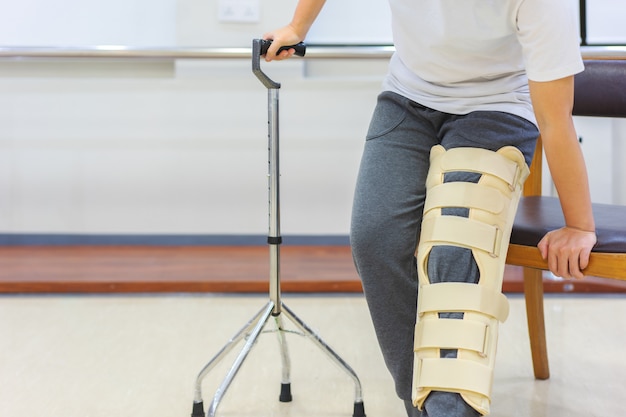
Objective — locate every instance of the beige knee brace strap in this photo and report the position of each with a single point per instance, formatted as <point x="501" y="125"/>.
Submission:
<point x="492" y="203"/>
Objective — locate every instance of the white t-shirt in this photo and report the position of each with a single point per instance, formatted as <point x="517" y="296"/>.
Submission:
<point x="459" y="56"/>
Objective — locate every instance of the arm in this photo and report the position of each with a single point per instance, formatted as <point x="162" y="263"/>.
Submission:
<point x="304" y="16"/>
<point x="566" y="249"/>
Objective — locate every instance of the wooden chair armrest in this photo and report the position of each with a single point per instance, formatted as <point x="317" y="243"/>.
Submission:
<point x="604" y="265"/>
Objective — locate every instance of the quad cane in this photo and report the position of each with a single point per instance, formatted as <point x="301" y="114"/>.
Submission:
<point x="275" y="308"/>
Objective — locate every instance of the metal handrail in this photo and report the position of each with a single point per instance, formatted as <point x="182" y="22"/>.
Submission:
<point x="125" y="52"/>
<point x="173" y="53"/>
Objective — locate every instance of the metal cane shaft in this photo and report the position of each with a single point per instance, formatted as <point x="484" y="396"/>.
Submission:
<point x="274" y="238"/>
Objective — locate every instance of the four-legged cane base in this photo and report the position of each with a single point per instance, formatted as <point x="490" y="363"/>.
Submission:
<point x="250" y="332"/>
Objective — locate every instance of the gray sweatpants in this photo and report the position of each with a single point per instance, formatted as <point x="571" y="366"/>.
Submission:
<point x="386" y="220"/>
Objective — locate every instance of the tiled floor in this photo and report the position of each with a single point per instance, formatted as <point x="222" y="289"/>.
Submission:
<point x="112" y="355"/>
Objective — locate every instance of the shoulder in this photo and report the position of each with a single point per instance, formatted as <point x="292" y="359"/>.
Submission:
<point x="548" y="33"/>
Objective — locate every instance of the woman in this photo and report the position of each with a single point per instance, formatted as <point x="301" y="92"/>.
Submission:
<point x="478" y="75"/>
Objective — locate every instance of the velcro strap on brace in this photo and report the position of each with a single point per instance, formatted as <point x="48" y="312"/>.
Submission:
<point x="462" y="231"/>
<point x="463" y="194"/>
<point x="449" y="374"/>
<point x="483" y="162"/>
<point x="461" y="297"/>
<point x="452" y="334"/>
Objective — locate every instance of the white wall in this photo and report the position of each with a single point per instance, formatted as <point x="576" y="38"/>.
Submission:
<point x="88" y="22"/>
<point x="181" y="147"/>
<point x="177" y="148"/>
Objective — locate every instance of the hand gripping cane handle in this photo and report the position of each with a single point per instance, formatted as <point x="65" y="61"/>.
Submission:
<point x="299" y="47"/>
<point x="259" y="48"/>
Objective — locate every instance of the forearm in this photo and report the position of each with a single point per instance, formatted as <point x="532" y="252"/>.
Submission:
<point x="305" y="14"/>
<point x="568" y="171"/>
<point x="553" y="102"/>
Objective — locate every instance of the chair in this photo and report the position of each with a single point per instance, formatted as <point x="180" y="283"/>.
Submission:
<point x="599" y="91"/>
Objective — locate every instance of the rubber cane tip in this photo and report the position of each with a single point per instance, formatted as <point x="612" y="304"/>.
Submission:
<point x="198" y="410"/>
<point x="359" y="410"/>
<point x="285" y="393"/>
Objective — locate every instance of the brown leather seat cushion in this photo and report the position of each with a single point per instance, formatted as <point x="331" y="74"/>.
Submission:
<point x="538" y="215"/>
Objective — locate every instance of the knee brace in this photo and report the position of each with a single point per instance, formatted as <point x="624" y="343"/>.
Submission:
<point x="492" y="203"/>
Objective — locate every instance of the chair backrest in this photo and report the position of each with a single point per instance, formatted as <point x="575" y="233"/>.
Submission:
<point x="600" y="90"/>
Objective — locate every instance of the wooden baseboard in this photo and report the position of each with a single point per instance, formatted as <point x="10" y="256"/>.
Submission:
<point x="200" y="269"/>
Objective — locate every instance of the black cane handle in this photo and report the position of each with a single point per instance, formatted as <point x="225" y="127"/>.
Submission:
<point x="299" y="47"/>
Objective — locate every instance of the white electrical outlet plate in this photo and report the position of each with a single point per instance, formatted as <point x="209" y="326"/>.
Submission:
<point x="243" y="11"/>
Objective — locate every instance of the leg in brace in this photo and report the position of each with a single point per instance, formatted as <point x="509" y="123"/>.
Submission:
<point x="457" y="322"/>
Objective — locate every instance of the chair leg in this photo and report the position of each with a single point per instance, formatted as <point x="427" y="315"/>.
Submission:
<point x="533" y="292"/>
